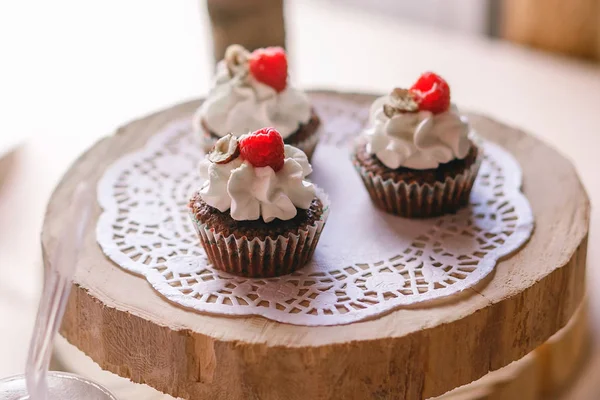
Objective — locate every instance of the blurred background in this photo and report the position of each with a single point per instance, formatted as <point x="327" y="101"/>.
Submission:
<point x="99" y="57"/>
<point x="73" y="71"/>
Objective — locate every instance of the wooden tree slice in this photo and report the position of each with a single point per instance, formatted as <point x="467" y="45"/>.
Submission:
<point x="541" y="373"/>
<point x="536" y="376"/>
<point x="127" y="328"/>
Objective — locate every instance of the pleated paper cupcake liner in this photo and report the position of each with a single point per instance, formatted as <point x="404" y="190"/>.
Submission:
<point x="262" y="257"/>
<point x="309" y="144"/>
<point x="420" y="201"/>
<point x="207" y="141"/>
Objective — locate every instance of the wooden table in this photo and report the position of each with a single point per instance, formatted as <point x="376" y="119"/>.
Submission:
<point x="119" y="73"/>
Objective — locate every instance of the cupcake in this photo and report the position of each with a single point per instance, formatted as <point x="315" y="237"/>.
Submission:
<point x="416" y="157"/>
<point x="255" y="214"/>
<point x="251" y="91"/>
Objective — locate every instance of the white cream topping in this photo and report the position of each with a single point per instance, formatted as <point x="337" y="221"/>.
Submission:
<point x="238" y="103"/>
<point x="420" y="140"/>
<point x="252" y="193"/>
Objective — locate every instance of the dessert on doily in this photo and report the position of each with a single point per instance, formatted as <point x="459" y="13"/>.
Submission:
<point x="255" y="213"/>
<point x="251" y="91"/>
<point x="416" y="158"/>
<point x="367" y="262"/>
<point x="145" y="229"/>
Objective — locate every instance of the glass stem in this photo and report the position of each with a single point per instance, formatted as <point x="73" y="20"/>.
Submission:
<point x="55" y="294"/>
<point x="50" y="313"/>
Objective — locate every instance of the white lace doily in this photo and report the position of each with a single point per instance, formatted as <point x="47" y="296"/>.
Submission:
<point x="366" y="263"/>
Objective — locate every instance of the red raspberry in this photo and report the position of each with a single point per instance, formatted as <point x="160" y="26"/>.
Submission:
<point x="433" y="93"/>
<point x="263" y="148"/>
<point x="270" y="67"/>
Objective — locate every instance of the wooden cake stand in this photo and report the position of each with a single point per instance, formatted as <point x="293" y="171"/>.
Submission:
<point x="413" y="353"/>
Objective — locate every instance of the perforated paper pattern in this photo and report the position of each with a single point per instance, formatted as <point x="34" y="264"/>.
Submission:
<point x="367" y="262"/>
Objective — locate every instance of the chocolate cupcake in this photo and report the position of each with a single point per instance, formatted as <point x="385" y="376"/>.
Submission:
<point x="255" y="214"/>
<point x="416" y="158"/>
<point x="251" y="91"/>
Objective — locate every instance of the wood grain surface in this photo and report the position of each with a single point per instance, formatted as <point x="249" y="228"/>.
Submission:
<point x="569" y="27"/>
<point x="251" y="23"/>
<point x="537" y="376"/>
<point x="119" y="321"/>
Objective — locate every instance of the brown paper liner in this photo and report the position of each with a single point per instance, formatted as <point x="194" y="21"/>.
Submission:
<point x="207" y="140"/>
<point x="420" y="200"/>
<point x="307" y="145"/>
<point x="262" y="258"/>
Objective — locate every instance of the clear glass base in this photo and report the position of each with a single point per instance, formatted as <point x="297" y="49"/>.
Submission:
<point x="61" y="386"/>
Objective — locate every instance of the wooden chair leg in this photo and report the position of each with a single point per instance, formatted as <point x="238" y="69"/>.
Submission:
<point x="251" y="23"/>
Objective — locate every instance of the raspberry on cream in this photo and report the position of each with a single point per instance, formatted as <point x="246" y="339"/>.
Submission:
<point x="432" y="92"/>
<point x="266" y="180"/>
<point x="417" y="128"/>
<point x="251" y="91"/>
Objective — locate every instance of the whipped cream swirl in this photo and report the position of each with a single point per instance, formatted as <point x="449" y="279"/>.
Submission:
<point x="238" y="103"/>
<point x="419" y="140"/>
<point x="252" y="193"/>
